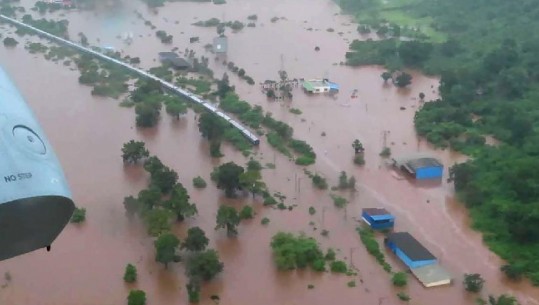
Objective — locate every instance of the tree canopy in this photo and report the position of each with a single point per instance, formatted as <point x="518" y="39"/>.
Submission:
<point x="196" y="240"/>
<point x="203" y="265"/>
<point x="165" y="248"/>
<point x="133" y="151"/>
<point x="227" y="177"/>
<point x="228" y="217"/>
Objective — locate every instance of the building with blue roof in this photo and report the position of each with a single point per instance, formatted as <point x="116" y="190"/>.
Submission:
<point x="378" y="218"/>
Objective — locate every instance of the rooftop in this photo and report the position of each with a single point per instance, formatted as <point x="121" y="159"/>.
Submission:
<point x="167" y="55"/>
<point x="410" y="246"/>
<point x="432" y="275"/>
<point x="415" y="164"/>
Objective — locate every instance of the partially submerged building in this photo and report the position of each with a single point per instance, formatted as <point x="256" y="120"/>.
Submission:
<point x="316" y="86"/>
<point x="378" y="218"/>
<point x="421" y="167"/>
<point x="409" y="250"/>
<point x="423" y="265"/>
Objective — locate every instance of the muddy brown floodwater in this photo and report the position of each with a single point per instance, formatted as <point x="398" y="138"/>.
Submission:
<point x="87" y="262"/>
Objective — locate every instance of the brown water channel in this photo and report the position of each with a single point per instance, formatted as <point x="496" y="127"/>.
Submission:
<point x="87" y="262"/>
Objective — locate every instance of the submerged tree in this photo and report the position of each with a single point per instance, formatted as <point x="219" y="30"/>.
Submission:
<point x="251" y="180"/>
<point x="165" y="248"/>
<point x="403" y="80"/>
<point x="133" y="151"/>
<point x="228" y="217"/>
<point x="158" y="221"/>
<point x="136" y="297"/>
<point x="386" y="76"/>
<point x="203" y="266"/>
<point x="179" y="203"/>
<point x="358" y="147"/>
<point x="227" y="177"/>
<point x="473" y="282"/>
<point x="196" y="240"/>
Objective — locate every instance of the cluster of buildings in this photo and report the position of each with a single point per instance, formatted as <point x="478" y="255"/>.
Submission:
<point x="418" y="259"/>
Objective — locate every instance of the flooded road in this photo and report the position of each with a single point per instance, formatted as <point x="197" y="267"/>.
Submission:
<point x="87" y="262"/>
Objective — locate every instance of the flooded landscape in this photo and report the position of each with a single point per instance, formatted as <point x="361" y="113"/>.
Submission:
<point x="87" y="261"/>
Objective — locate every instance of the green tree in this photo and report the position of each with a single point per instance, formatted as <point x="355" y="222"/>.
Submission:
<point x="10" y="42"/>
<point x="513" y="271"/>
<point x="343" y="180"/>
<point x="227" y="217"/>
<point x="246" y="212"/>
<point x="473" y="282"/>
<point x="254" y="165"/>
<point x="79" y="215"/>
<point x="196" y="240"/>
<point x="179" y="203"/>
<point x="148" y="199"/>
<point x="147" y="115"/>
<point x="421" y="96"/>
<point x="131" y="205"/>
<point x="358" y="147"/>
<point x="227" y="177"/>
<point x="291" y="252"/>
<point x="193" y="292"/>
<point x="130" y="274"/>
<point x="386" y="76"/>
<point x="399" y="279"/>
<point x="165" y="248"/>
<point x="161" y="176"/>
<point x="503" y="299"/>
<point x="251" y="180"/>
<point x="133" y="151"/>
<point x="136" y="297"/>
<point x="158" y="221"/>
<point x="403" y="80"/>
<point x="223" y="86"/>
<point x="211" y="126"/>
<point x="176" y="108"/>
<point x="352" y="183"/>
<point x="203" y="265"/>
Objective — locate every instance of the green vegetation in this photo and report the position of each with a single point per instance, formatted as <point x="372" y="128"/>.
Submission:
<point x="58" y="28"/>
<point x="473" y="282"/>
<point x="399" y="279"/>
<point x="133" y="151"/>
<point x="203" y="265"/>
<point x="319" y="182"/>
<point x="199" y="183"/>
<point x="359" y="160"/>
<point x="130" y="274"/>
<point x="295" y="111"/>
<point x="403" y="296"/>
<point x="228" y="217"/>
<point x="227" y="177"/>
<point x="246" y="212"/>
<point x="136" y="297"/>
<point x="367" y="238"/>
<point x="338" y="267"/>
<point x="351" y="284"/>
<point x="339" y="201"/>
<point x="487" y="62"/>
<point x="291" y="252"/>
<point x="312" y="211"/>
<point x="165" y="248"/>
<point x="265" y="221"/>
<point x="164" y="37"/>
<point x="196" y="240"/>
<point x="503" y="299"/>
<point x="10" y="42"/>
<point x="386" y="152"/>
<point x="36" y="47"/>
<point x="79" y="215"/>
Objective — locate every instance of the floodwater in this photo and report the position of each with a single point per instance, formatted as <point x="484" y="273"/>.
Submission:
<point x="86" y="263"/>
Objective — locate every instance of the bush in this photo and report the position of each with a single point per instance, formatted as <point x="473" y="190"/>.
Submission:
<point x="399" y="279"/>
<point x="130" y="274"/>
<point x="330" y="255"/>
<point x="10" y="42"/>
<point x="359" y="160"/>
<point x="246" y="212"/>
<point x="367" y="238"/>
<point x="351" y="284"/>
<point x="304" y="160"/>
<point x="312" y="210"/>
<point x="338" y="267"/>
<point x="403" y="296"/>
<point x="386" y="152"/>
<point x="473" y="282"/>
<point x="339" y="201"/>
<point x="319" y="182"/>
<point x="512" y="271"/>
<point x="265" y="221"/>
<point x="199" y="183"/>
<point x="79" y="215"/>
<point x="136" y="297"/>
<point x="295" y="111"/>
<point x="291" y="252"/>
